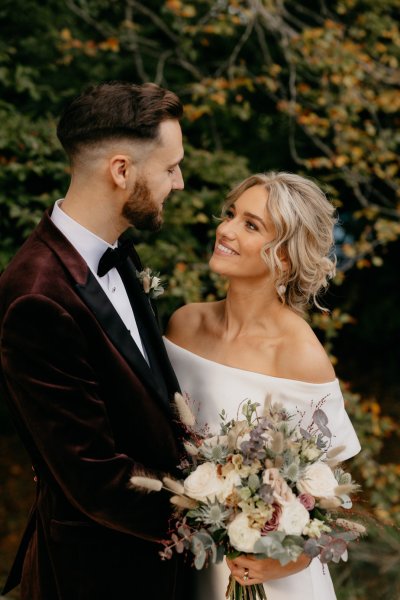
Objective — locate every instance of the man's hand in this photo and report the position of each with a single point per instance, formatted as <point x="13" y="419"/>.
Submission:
<point x="265" y="569"/>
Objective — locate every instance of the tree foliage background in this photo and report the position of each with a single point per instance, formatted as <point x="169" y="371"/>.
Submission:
<point x="267" y="85"/>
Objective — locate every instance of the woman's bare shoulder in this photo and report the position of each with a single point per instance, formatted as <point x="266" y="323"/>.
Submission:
<point x="304" y="358"/>
<point x="187" y="321"/>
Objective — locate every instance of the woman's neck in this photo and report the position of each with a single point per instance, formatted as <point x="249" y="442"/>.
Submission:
<point x="251" y="310"/>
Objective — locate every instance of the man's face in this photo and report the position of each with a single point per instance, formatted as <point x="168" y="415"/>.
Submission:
<point x="157" y="176"/>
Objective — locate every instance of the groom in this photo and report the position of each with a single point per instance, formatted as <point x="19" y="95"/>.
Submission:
<point x="83" y="366"/>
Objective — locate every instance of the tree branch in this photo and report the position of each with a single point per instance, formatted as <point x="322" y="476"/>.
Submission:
<point x="84" y="14"/>
<point x="263" y="43"/>
<point x="156" y="20"/>
<point x="160" y="66"/>
<point x="137" y="57"/>
<point x="243" y="39"/>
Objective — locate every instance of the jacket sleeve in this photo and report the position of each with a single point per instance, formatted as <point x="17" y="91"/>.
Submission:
<point x="54" y="389"/>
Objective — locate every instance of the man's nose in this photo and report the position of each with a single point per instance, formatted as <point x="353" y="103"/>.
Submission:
<point x="178" y="183"/>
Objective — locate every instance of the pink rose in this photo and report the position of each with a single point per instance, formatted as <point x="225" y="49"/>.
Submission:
<point x="307" y="501"/>
<point x="272" y="524"/>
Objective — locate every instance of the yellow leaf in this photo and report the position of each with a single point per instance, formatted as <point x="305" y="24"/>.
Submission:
<point x="341" y="160"/>
<point x="218" y="98"/>
<point x="65" y="34"/>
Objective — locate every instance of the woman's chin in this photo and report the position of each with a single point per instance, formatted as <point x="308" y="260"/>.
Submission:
<point x="216" y="266"/>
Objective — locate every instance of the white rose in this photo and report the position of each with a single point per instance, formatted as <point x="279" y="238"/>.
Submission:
<point x="294" y="518"/>
<point x="241" y="536"/>
<point x="229" y="482"/>
<point x="317" y="480"/>
<point x="203" y="483"/>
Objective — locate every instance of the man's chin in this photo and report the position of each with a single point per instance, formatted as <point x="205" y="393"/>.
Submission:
<point x="153" y="223"/>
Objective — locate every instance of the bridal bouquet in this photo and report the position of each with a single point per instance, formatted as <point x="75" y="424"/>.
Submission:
<point x="264" y="486"/>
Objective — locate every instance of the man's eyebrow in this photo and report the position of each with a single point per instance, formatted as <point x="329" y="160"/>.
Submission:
<point x="176" y="163"/>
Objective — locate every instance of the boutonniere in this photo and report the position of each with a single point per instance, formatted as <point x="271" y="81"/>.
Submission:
<point x="151" y="283"/>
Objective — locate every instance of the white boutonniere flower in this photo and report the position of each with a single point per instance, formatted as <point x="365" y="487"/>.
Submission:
<point x="151" y="283"/>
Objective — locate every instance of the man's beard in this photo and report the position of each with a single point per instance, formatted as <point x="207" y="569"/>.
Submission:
<point x="140" y="209"/>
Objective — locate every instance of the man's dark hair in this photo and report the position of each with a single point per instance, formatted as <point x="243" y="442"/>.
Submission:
<point x="116" y="110"/>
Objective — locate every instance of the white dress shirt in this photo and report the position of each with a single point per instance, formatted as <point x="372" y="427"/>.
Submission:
<point x="91" y="248"/>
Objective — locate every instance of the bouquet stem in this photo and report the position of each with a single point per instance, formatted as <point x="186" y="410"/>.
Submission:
<point x="235" y="591"/>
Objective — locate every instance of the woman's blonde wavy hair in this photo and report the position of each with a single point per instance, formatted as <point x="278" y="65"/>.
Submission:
<point x="304" y="220"/>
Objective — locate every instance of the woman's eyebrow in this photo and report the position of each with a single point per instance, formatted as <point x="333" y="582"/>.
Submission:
<point x="256" y="217"/>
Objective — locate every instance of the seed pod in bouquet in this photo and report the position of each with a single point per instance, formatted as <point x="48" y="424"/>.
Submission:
<point x="173" y="485"/>
<point x="183" y="502"/>
<point x="184" y="412"/>
<point x="146" y="484"/>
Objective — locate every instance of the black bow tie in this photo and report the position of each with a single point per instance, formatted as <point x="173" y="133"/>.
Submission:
<point x="114" y="257"/>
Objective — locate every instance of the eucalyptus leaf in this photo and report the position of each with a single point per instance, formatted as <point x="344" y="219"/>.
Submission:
<point x="220" y="554"/>
<point x="311" y="548"/>
<point x="321" y="421"/>
<point x="347" y="536"/>
<point x="204" y="537"/>
<point x="269" y="544"/>
<point x="200" y="559"/>
<point x="306" y="435"/>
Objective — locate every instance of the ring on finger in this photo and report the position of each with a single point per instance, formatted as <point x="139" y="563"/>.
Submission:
<point x="246" y="574"/>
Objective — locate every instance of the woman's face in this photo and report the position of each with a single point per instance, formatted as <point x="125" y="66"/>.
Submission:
<point x="241" y="236"/>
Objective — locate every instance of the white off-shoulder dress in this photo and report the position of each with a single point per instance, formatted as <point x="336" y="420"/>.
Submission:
<point x="214" y="387"/>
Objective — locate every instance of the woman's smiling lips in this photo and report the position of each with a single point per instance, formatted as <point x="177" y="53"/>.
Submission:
<point x="224" y="250"/>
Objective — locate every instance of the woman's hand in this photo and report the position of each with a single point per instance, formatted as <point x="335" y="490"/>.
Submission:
<point x="264" y="569"/>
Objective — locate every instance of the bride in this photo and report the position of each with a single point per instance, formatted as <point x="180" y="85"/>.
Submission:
<point x="274" y="245"/>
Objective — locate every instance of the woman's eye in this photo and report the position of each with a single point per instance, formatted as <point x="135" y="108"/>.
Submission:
<point x="229" y="214"/>
<point x="251" y="226"/>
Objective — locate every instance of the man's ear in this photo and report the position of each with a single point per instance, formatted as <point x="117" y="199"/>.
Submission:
<point x="121" y="170"/>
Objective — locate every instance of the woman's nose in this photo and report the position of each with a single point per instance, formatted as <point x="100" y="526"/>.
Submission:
<point x="227" y="229"/>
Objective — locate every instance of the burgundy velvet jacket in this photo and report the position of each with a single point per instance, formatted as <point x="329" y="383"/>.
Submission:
<point x="91" y="412"/>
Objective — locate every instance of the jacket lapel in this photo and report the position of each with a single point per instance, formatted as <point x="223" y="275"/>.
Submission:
<point x="95" y="298"/>
<point x="97" y="301"/>
<point x="149" y="330"/>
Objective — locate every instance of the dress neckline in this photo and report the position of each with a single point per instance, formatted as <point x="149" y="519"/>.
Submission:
<point x="271" y="377"/>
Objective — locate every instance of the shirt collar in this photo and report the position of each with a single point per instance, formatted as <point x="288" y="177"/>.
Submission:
<point x="88" y="244"/>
